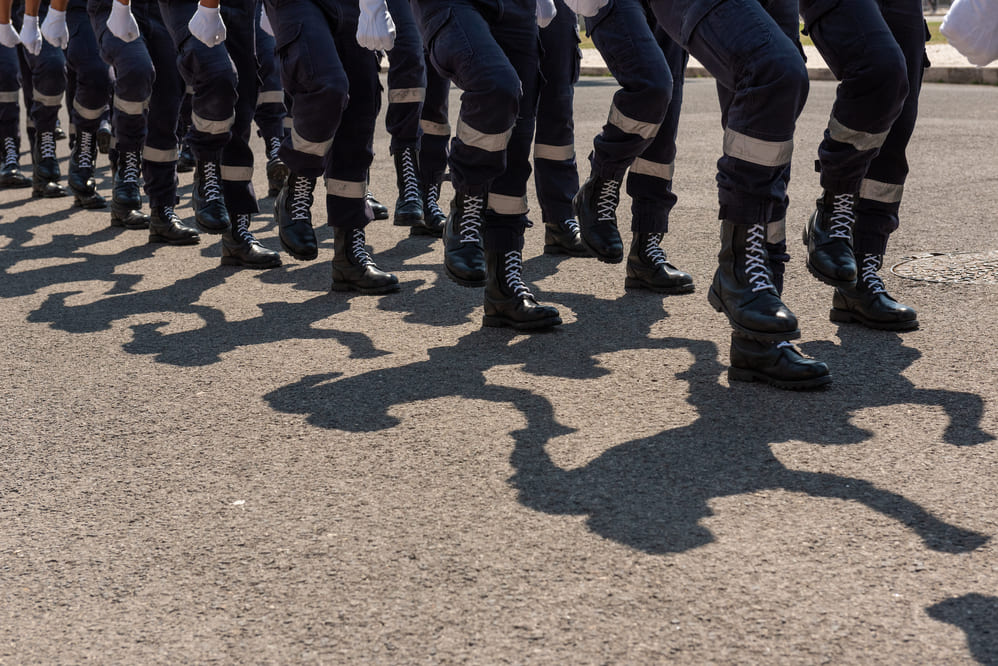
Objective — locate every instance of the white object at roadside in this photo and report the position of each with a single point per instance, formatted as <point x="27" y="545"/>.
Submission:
<point x="971" y="26"/>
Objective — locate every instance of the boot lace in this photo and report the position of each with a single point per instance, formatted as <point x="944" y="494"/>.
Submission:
<point x="607" y="201"/>
<point x="842" y="217"/>
<point x="10" y="152"/>
<point x="410" y="180"/>
<point x="514" y="275"/>
<point x="273" y="145"/>
<point x="85" y="141"/>
<point x="130" y="167"/>
<point x="755" y="258"/>
<point x="46" y="145"/>
<point x="571" y="225"/>
<point x="471" y="220"/>
<point x="240" y="230"/>
<point x="358" y="248"/>
<point x="432" y="196"/>
<point x="871" y="263"/>
<point x="653" y="251"/>
<point x="301" y="198"/>
<point x="212" y="188"/>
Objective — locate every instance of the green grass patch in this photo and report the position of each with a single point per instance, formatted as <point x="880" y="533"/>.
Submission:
<point x="933" y="22"/>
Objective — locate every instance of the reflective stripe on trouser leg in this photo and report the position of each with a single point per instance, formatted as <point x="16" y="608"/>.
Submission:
<point x="270" y="111"/>
<point x="10" y="91"/>
<point x="237" y="156"/>
<point x="93" y="80"/>
<point x="406" y="78"/>
<point x="435" y="127"/>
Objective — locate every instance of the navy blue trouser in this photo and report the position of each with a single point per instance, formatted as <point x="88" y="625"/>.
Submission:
<point x="90" y="76"/>
<point x="270" y="110"/>
<point x="43" y="76"/>
<point x="10" y="88"/>
<point x="147" y="94"/>
<point x="406" y="78"/>
<point x="751" y="56"/>
<point x="435" y="125"/>
<point x="335" y="100"/>
<point x="490" y="50"/>
<point x="224" y="81"/>
<point x="556" y="174"/>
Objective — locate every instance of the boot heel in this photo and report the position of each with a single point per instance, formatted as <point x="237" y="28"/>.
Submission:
<point x="841" y="316"/>
<point x="741" y="375"/>
<point x="714" y="300"/>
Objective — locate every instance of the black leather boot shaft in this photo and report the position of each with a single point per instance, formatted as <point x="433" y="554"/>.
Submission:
<point x="277" y="170"/>
<point x="46" y="174"/>
<point x="648" y="268"/>
<point x="293" y="213"/>
<point x="378" y="209"/>
<point x="508" y="301"/>
<point x="210" y="213"/>
<point x="125" y="176"/>
<point x="241" y="248"/>
<point x="434" y="218"/>
<point x="81" y="171"/>
<point x="354" y="268"/>
<point x="595" y="208"/>
<point x="165" y="226"/>
<point x="564" y="238"/>
<point x="778" y="364"/>
<point x="743" y="286"/>
<point x="828" y="238"/>
<point x="409" y="205"/>
<point x="10" y="170"/>
<point x="464" y="255"/>
<point x="869" y="303"/>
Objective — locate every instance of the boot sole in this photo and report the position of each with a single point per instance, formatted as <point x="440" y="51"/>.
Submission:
<point x="298" y="255"/>
<point x="847" y="317"/>
<point x="494" y="321"/>
<point x="91" y="202"/>
<point x="634" y="283"/>
<point x="718" y="305"/>
<point x="744" y="375"/>
<point x="233" y="261"/>
<point x="51" y="194"/>
<point x="349" y="286"/>
<point x="156" y="238"/>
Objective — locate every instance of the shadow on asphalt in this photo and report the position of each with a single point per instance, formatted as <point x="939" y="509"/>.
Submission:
<point x="975" y="614"/>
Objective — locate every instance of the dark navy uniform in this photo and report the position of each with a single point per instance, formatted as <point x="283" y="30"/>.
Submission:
<point x="10" y="121"/>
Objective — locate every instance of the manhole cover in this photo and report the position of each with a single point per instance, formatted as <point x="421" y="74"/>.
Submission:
<point x="964" y="267"/>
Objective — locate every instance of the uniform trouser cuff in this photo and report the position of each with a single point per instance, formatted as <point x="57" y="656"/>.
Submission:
<point x="503" y="233"/>
<point x="347" y="212"/>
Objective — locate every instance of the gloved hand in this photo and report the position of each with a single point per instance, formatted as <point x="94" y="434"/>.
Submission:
<point x="265" y="23"/>
<point x="54" y="28"/>
<point x="376" y="29"/>
<point x="586" y="7"/>
<point x="207" y="26"/>
<point x="545" y="12"/>
<point x="30" y="37"/>
<point x="8" y="36"/>
<point x="121" y="23"/>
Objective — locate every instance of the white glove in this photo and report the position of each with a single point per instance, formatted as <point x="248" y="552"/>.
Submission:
<point x="376" y="29"/>
<point x="207" y="26"/>
<point x="265" y="23"/>
<point x="545" y="12"/>
<point x="30" y="37"/>
<point x="8" y="36"/>
<point x="121" y="23"/>
<point x="586" y="7"/>
<point x="54" y="28"/>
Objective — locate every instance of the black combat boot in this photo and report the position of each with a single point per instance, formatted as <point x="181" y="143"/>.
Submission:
<point x="869" y="303"/>
<point x="409" y="205"/>
<point x="293" y="213"/>
<point x="59" y="132"/>
<point x="434" y="219"/>
<point x="45" y="178"/>
<point x="508" y="301"/>
<point x="564" y="238"/>
<point x="185" y="161"/>
<point x="165" y="226"/>
<point x="648" y="268"/>
<point x="210" y="213"/>
<point x="379" y="209"/>
<point x="596" y="210"/>
<point x="277" y="170"/>
<point x="10" y="169"/>
<point x="828" y="237"/>
<point x="104" y="136"/>
<point x="778" y="364"/>
<point x="81" y="171"/>
<point x="743" y="286"/>
<point x="464" y="256"/>
<point x="353" y="267"/>
<point x="126" y="199"/>
<point x="241" y="248"/>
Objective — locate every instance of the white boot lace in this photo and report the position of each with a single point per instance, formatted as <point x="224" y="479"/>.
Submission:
<point x="652" y="250"/>
<point x="240" y="230"/>
<point x="571" y="225"/>
<point x="607" y="201"/>
<point x="432" y="196"/>
<point x="358" y="248"/>
<point x="471" y="219"/>
<point x="10" y="152"/>
<point x="130" y="167"/>
<point x="410" y="181"/>
<point x="85" y="141"/>
<point x="871" y="263"/>
<point x="273" y="145"/>
<point x="46" y="145"/>
<point x="212" y="188"/>
<point x="301" y="198"/>
<point x="842" y="217"/>
<point x="755" y="258"/>
<point x="514" y="274"/>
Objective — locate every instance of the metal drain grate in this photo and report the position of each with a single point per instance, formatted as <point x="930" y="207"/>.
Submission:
<point x="957" y="267"/>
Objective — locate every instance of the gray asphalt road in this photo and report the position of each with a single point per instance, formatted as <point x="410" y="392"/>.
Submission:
<point x="200" y="464"/>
